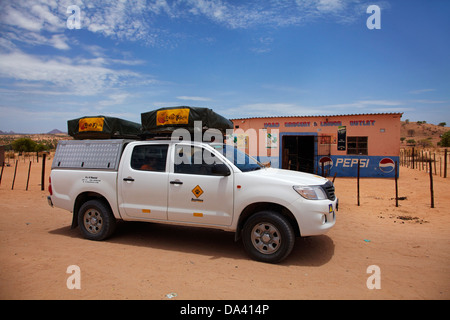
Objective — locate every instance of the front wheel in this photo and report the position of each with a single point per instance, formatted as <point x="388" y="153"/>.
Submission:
<point x="268" y="237"/>
<point x="96" y="220"/>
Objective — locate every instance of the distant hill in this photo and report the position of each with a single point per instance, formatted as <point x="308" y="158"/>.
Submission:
<point x="4" y="132"/>
<point x="424" y="134"/>
<point x="56" y="131"/>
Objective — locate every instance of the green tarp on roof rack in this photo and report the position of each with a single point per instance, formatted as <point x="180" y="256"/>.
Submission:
<point x="166" y="120"/>
<point x="103" y="127"/>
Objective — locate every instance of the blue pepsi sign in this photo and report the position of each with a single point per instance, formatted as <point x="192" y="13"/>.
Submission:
<point x="370" y="166"/>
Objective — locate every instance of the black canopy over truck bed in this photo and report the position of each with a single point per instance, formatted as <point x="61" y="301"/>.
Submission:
<point x="166" y="120"/>
<point x="160" y="122"/>
<point x="103" y="127"/>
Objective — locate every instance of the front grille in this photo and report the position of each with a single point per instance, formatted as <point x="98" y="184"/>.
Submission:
<point x="329" y="190"/>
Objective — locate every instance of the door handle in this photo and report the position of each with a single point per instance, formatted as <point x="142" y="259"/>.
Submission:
<point x="176" y="182"/>
<point x="128" y="179"/>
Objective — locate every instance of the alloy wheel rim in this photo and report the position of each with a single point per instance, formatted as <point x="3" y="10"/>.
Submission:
<point x="93" y="221"/>
<point x="266" y="238"/>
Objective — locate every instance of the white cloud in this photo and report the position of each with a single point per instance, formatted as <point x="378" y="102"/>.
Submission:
<point x="293" y="109"/>
<point x="113" y="99"/>
<point x="123" y="20"/>
<point x="419" y="91"/>
<point x="380" y="102"/>
<point x="192" y="98"/>
<point x="79" y="79"/>
<point x="271" y="110"/>
<point x="21" y="20"/>
<point x="263" y="44"/>
<point x="33" y="15"/>
<point x="59" y="41"/>
<point x="329" y="5"/>
<point x="428" y="101"/>
<point x="31" y="21"/>
<point x="391" y="110"/>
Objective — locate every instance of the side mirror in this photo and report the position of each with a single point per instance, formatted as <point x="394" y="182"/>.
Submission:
<point x="220" y="169"/>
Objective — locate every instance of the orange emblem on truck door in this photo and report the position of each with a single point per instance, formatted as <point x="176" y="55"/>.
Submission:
<point x="197" y="191"/>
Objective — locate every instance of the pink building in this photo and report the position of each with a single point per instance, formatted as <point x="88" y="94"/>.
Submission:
<point x="325" y="144"/>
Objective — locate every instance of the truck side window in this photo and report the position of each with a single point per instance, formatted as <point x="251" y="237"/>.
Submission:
<point x="149" y="157"/>
<point x="194" y="160"/>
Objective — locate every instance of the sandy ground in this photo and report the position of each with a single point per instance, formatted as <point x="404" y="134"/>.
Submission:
<point x="410" y="245"/>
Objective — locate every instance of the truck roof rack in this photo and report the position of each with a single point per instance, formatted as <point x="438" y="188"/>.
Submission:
<point x="166" y="120"/>
<point x="156" y="124"/>
<point x="103" y="127"/>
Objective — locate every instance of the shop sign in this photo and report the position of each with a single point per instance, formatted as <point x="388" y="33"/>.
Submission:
<point x="362" y="122"/>
<point x="271" y="125"/>
<point x="371" y="166"/>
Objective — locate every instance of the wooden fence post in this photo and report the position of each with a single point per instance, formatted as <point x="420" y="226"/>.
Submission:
<point x="28" y="178"/>
<point x="14" y="178"/>
<point x="1" y="174"/>
<point x="43" y="172"/>
<point x="396" y="185"/>
<point x="357" y="183"/>
<point x="431" y="188"/>
<point x="445" y="164"/>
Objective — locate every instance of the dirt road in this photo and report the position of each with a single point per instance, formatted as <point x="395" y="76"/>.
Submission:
<point x="410" y="245"/>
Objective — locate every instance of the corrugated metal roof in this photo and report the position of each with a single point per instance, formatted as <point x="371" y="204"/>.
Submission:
<point x="322" y="116"/>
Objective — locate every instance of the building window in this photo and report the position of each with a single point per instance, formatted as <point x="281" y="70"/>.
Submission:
<point x="357" y="145"/>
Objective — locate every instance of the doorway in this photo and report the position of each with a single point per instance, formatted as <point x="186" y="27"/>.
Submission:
<point x="298" y="152"/>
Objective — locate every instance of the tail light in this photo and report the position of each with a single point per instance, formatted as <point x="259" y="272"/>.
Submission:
<point x="50" y="190"/>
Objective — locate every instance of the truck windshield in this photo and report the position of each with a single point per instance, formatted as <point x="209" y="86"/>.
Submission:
<point x="240" y="159"/>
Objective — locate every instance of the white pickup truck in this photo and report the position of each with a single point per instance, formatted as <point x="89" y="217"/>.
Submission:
<point x="191" y="184"/>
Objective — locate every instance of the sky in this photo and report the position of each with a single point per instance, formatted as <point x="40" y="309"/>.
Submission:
<point x="65" y="59"/>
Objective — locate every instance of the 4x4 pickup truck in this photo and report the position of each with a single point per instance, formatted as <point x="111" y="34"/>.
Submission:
<point x="192" y="184"/>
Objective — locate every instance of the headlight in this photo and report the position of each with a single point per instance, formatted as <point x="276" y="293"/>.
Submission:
<point x="311" y="192"/>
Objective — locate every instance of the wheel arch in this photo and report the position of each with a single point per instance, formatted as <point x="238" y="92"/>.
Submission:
<point x="260" y="206"/>
<point x="82" y="198"/>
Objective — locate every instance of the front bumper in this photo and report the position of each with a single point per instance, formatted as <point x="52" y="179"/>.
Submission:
<point x="315" y="217"/>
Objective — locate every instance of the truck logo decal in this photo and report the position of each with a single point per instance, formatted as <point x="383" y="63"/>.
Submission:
<point x="197" y="191"/>
<point x="91" y="124"/>
<point x="172" y="116"/>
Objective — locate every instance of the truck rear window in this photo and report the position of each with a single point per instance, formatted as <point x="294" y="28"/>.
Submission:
<point x="149" y="157"/>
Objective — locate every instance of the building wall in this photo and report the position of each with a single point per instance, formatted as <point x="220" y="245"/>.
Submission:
<point x="382" y="132"/>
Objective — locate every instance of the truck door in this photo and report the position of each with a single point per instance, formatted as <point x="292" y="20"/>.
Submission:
<point x="200" y="187"/>
<point x="143" y="182"/>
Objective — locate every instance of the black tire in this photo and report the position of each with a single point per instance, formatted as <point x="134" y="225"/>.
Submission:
<point x="96" y="220"/>
<point x="268" y="237"/>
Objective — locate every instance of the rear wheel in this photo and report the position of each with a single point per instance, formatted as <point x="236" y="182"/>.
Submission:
<point x="268" y="237"/>
<point x="96" y="220"/>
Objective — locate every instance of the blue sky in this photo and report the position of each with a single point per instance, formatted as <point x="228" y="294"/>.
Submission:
<point x="240" y="58"/>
